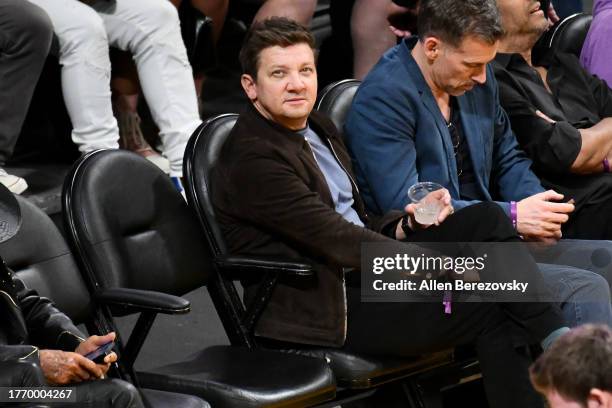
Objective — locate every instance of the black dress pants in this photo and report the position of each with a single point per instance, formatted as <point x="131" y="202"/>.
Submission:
<point x="25" y="38"/>
<point x="592" y="218"/>
<point x="500" y="331"/>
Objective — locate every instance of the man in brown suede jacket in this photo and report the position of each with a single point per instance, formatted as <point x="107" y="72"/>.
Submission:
<point x="284" y="187"/>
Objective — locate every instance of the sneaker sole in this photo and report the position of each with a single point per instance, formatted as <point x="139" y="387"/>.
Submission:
<point x="18" y="187"/>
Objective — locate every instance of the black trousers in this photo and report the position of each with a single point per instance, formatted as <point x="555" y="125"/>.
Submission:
<point x="89" y="394"/>
<point x="25" y="38"/>
<point x="592" y="218"/>
<point x="500" y="331"/>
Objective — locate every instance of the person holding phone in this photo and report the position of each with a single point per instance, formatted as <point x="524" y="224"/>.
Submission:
<point x="40" y="345"/>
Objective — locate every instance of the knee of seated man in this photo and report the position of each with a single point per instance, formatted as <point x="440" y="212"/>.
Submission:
<point x="86" y="39"/>
<point x="489" y="214"/>
<point x="594" y="287"/>
<point x="160" y="17"/>
<point x="124" y="394"/>
<point x="36" y="27"/>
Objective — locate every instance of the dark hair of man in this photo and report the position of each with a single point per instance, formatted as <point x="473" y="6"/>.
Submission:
<point x="273" y="31"/>
<point x="453" y="20"/>
<point x="577" y="362"/>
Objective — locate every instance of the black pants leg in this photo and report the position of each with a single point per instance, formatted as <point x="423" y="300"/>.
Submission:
<point x="21" y="373"/>
<point x="25" y="38"/>
<point x="111" y="393"/>
<point x="499" y="331"/>
<point x="592" y="218"/>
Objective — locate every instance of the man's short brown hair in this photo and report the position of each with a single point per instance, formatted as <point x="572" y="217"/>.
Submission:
<point x="273" y="31"/>
<point x="576" y="363"/>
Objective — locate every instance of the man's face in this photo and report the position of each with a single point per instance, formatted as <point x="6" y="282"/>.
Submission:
<point x="521" y="17"/>
<point x="456" y="70"/>
<point x="285" y="89"/>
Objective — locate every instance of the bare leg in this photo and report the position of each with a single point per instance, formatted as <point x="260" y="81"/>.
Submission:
<point x="298" y="10"/>
<point x="371" y="34"/>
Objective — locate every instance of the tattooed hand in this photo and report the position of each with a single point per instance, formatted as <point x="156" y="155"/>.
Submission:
<point x="61" y="367"/>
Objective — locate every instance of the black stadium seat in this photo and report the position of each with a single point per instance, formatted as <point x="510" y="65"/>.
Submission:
<point x="566" y="35"/>
<point x="134" y="235"/>
<point x="335" y="100"/>
<point x="40" y="256"/>
<point x="353" y="373"/>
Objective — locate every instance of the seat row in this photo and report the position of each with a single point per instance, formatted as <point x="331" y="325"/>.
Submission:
<point x="136" y="246"/>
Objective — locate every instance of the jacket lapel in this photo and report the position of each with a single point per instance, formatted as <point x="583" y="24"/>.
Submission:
<point x="430" y="104"/>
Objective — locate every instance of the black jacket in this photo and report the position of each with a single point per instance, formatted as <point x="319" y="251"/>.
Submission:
<point x="29" y="322"/>
<point x="271" y="199"/>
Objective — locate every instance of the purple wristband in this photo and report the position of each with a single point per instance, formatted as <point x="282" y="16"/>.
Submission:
<point x="606" y="165"/>
<point x="513" y="213"/>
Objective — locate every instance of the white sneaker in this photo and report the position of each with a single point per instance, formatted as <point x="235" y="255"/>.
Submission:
<point x="16" y="185"/>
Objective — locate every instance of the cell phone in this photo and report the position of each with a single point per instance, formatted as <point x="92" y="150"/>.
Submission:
<point x="97" y="356"/>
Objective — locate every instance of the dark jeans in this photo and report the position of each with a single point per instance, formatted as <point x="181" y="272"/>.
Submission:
<point x="500" y="331"/>
<point x="25" y="38"/>
<point x="108" y="393"/>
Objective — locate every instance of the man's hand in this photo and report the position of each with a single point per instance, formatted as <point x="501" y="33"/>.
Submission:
<point x="552" y="14"/>
<point x="63" y="367"/>
<point x="443" y="198"/>
<point x="402" y="20"/>
<point x="539" y="219"/>
<point x="92" y="343"/>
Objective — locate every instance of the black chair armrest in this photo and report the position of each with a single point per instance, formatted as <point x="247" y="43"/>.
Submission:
<point x="238" y="266"/>
<point x="136" y="300"/>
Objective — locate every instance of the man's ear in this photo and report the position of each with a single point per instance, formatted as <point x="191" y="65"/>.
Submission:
<point x="599" y="398"/>
<point x="432" y="47"/>
<point x="248" y="84"/>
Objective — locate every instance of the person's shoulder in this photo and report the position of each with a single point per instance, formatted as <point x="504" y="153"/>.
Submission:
<point x="569" y="62"/>
<point x="391" y="74"/>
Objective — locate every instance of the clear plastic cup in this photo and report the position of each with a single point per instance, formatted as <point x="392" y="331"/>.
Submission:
<point x="428" y="208"/>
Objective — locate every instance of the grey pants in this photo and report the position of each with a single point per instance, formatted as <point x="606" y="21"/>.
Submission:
<point x="25" y="38"/>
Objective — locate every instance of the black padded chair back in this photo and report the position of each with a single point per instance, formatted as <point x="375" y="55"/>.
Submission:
<point x="201" y="156"/>
<point x="335" y="100"/>
<point x="567" y="36"/>
<point x="130" y="226"/>
<point x="40" y="256"/>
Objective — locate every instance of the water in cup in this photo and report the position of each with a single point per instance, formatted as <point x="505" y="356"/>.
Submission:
<point x="427" y="208"/>
<point x="427" y="213"/>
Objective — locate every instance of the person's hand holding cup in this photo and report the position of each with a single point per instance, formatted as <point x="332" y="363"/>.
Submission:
<point x="431" y="204"/>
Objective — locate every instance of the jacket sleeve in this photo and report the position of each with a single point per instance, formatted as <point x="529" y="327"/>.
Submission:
<point x="602" y="93"/>
<point x="380" y="133"/>
<point x="47" y="326"/>
<point x="553" y="146"/>
<point x="277" y="200"/>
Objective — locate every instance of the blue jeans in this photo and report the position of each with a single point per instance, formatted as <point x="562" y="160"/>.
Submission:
<point x="584" y="295"/>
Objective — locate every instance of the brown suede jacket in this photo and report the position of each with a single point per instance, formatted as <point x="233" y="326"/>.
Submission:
<point x="271" y="199"/>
